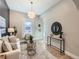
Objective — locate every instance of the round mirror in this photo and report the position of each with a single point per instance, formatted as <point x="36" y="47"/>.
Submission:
<point x="56" y="28"/>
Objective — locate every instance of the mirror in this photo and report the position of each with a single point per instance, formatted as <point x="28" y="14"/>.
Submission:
<point x="56" y="28"/>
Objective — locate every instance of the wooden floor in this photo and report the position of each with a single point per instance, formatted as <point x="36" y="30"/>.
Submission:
<point x="56" y="53"/>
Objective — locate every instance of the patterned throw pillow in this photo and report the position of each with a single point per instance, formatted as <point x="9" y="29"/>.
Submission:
<point x="6" y="46"/>
<point x="12" y="39"/>
<point x="5" y="38"/>
<point x="1" y="46"/>
<point x="14" y="46"/>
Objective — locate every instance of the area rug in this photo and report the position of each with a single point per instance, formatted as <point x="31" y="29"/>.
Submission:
<point x="41" y="52"/>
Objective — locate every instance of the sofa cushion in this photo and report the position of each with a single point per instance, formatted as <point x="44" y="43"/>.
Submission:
<point x="6" y="46"/>
<point x="1" y="46"/>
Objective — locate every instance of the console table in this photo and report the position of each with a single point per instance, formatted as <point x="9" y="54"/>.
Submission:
<point x="62" y="43"/>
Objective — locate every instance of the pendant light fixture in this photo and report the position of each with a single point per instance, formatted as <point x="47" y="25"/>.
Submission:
<point x="31" y="13"/>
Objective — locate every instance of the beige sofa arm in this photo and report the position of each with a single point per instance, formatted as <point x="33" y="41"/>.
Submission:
<point x="15" y="54"/>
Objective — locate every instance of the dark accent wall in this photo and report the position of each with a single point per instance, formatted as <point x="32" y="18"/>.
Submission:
<point x="4" y="11"/>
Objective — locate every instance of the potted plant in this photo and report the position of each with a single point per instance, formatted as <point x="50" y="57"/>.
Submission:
<point x="31" y="39"/>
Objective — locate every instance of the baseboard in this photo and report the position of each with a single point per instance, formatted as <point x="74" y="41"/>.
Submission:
<point x="72" y="55"/>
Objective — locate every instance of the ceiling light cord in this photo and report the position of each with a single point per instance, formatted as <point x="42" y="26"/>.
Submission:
<point x="31" y="3"/>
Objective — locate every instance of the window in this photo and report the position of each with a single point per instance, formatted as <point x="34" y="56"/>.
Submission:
<point x="27" y="28"/>
<point x="2" y="26"/>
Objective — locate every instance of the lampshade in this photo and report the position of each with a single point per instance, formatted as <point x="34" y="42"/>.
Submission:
<point x="31" y="14"/>
<point x="10" y="30"/>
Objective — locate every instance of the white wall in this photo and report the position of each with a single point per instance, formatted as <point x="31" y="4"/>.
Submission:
<point x="67" y="14"/>
<point x="39" y="33"/>
<point x="17" y="19"/>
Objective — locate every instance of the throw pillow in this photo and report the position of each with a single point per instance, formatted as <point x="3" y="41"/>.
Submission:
<point x="14" y="46"/>
<point x="6" y="46"/>
<point x="12" y="39"/>
<point x="5" y="38"/>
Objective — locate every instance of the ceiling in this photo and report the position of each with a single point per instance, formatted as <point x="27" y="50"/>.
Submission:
<point x="38" y="6"/>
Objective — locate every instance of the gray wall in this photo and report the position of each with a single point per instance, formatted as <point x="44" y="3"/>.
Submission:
<point x="4" y="11"/>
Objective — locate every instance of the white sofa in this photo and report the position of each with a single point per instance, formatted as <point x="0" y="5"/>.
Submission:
<point x="14" y="54"/>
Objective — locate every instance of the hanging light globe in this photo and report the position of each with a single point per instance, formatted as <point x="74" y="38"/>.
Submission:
<point x="31" y="14"/>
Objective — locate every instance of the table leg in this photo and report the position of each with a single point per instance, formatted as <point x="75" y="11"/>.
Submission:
<point x="61" y="46"/>
<point x="50" y="41"/>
